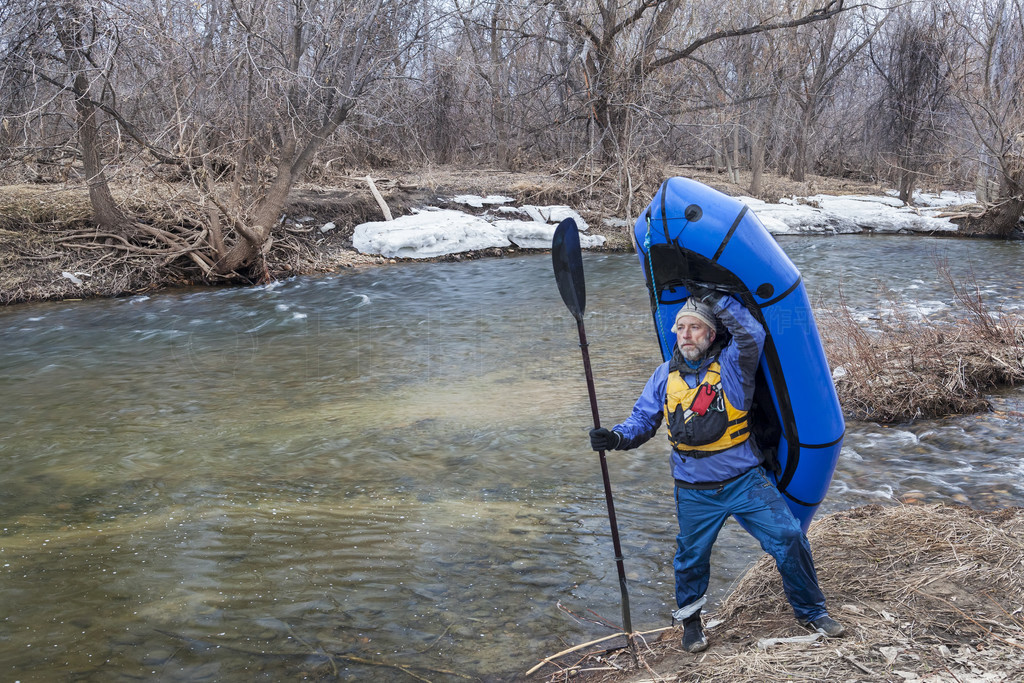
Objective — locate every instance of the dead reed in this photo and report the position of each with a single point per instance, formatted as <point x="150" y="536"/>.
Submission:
<point x="905" y="369"/>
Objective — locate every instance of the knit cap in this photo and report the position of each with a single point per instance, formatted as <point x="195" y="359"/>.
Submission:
<point x="696" y="309"/>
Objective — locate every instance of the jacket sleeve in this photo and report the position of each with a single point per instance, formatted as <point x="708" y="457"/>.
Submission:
<point x="647" y="414"/>
<point x="740" y="357"/>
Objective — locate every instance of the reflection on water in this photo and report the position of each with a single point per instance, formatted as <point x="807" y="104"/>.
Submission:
<point x="387" y="469"/>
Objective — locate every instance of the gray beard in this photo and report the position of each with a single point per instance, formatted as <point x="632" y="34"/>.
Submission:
<point x="693" y="355"/>
<point x="696" y="353"/>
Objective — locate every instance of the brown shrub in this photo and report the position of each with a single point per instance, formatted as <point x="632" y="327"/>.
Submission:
<point x="903" y="370"/>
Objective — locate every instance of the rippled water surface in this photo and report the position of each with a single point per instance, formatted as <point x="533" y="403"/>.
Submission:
<point x="353" y="474"/>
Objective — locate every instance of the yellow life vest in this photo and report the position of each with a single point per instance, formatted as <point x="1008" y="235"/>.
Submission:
<point x="701" y="421"/>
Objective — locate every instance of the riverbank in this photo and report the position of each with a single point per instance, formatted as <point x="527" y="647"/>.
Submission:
<point x="940" y="604"/>
<point x="49" y="249"/>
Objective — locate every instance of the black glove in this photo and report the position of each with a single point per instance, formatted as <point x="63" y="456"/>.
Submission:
<point x="702" y="293"/>
<point x="602" y="439"/>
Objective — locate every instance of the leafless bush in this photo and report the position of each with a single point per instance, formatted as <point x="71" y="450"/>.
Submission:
<point x="904" y="369"/>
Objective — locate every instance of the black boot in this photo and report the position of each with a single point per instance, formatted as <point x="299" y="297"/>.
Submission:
<point x="825" y="625"/>
<point x="693" y="634"/>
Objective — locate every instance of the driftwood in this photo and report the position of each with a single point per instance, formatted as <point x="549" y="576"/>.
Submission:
<point x="591" y="643"/>
<point x="380" y="200"/>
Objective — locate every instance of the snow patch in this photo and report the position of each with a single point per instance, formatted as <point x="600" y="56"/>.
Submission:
<point x="943" y="199"/>
<point x="534" y="235"/>
<point x="479" y="202"/>
<point x="432" y="232"/>
<point x="557" y="214"/>
<point x="833" y="215"/>
<point x="882" y="214"/>
<point x="799" y="219"/>
<point x="427" y="234"/>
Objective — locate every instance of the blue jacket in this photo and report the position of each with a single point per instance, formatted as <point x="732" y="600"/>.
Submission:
<point x="738" y="359"/>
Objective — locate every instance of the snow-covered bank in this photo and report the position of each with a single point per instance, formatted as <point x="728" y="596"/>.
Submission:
<point x="830" y="214"/>
<point x="431" y="232"/>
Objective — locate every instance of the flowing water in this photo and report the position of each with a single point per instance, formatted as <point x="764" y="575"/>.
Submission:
<point x="390" y="467"/>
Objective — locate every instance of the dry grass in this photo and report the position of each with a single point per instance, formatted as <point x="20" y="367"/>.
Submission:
<point x="904" y="370"/>
<point x="21" y="204"/>
<point x="931" y="593"/>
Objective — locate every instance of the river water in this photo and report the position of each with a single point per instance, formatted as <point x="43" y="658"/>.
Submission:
<point x="351" y="474"/>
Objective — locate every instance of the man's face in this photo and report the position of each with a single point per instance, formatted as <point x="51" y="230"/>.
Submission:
<point x="693" y="337"/>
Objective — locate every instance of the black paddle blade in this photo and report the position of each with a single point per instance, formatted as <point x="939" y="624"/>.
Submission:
<point x="568" y="263"/>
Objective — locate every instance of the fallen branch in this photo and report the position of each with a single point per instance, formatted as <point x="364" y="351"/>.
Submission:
<point x="379" y="198"/>
<point x="576" y="648"/>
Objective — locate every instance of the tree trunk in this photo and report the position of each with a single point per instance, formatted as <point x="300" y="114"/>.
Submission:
<point x="68" y="24"/>
<point x="800" y="144"/>
<point x="1002" y="219"/>
<point x="255" y="239"/>
<point x="756" y="163"/>
<point x="907" y="181"/>
<point x="244" y="252"/>
<point x="105" y="210"/>
<point x="611" y="125"/>
<point x="981" y="185"/>
<point x="499" y="119"/>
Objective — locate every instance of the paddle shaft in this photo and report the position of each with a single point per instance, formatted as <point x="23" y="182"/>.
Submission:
<point x="627" y="625"/>
<point x="567" y="260"/>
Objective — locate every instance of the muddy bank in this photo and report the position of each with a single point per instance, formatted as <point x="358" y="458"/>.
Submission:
<point x="49" y="251"/>
<point x="930" y="593"/>
<point x="49" y="248"/>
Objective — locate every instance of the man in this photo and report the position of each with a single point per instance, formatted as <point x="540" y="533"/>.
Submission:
<point x="703" y="393"/>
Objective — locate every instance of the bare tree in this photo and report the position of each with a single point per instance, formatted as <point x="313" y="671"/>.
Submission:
<point x="312" y="62"/>
<point x="209" y="88"/>
<point x="992" y="95"/>
<point x="623" y="47"/>
<point x="824" y="51"/>
<point x="513" y="57"/>
<point x="917" y="87"/>
<point x="68" y="44"/>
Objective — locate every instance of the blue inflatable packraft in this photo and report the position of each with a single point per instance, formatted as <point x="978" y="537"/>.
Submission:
<point x="692" y="233"/>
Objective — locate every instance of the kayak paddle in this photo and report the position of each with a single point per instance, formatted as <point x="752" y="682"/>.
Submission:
<point x="568" y="263"/>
